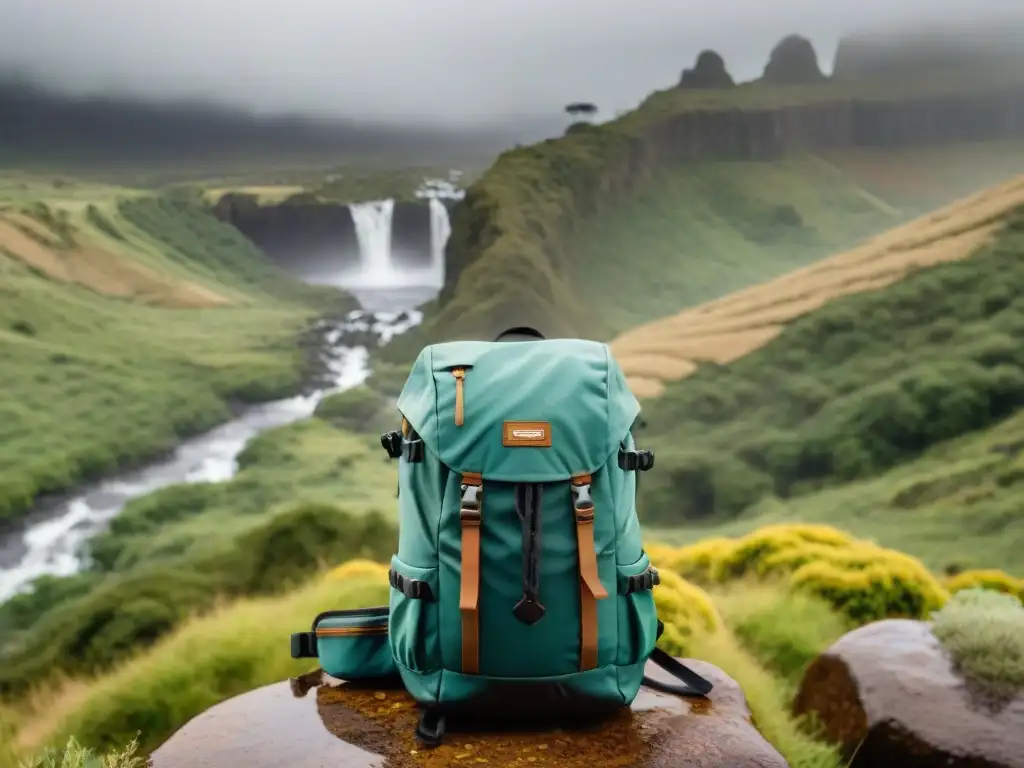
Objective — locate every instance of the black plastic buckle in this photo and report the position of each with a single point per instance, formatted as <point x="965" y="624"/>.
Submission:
<point x="414" y="589"/>
<point x="392" y="443"/>
<point x="304" y="645"/>
<point x="582" y="503"/>
<point x="412" y="451"/>
<point x="647" y="580"/>
<point x="469" y="505"/>
<point x="636" y="461"/>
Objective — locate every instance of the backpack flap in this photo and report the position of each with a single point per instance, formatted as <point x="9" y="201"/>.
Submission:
<point x="471" y="402"/>
<point x="350" y="645"/>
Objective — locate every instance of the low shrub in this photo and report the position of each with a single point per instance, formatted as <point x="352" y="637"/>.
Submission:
<point x="863" y="581"/>
<point x="983" y="632"/>
<point x="121" y="614"/>
<point x="74" y="755"/>
<point x="994" y="580"/>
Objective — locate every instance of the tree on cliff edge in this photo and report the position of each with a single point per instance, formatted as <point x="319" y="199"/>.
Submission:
<point x="708" y="72"/>
<point x="793" y="61"/>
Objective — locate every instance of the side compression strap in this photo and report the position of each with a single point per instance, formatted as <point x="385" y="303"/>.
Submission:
<point x="591" y="589"/>
<point x="470" y="517"/>
<point x="692" y="683"/>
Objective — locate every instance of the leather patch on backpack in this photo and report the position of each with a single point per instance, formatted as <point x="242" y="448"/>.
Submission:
<point x="526" y="434"/>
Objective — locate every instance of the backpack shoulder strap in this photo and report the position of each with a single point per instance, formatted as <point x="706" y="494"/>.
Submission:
<point x="471" y="509"/>
<point x="692" y="683"/>
<point x="591" y="589"/>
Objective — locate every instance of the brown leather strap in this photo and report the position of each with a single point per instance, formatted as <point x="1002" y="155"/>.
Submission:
<point x="591" y="589"/>
<point x="405" y="427"/>
<point x="470" y="516"/>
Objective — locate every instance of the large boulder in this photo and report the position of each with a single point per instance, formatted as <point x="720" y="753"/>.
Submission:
<point x="889" y="694"/>
<point x="344" y="724"/>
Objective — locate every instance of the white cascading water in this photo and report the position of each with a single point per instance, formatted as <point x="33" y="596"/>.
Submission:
<point x="372" y="221"/>
<point x="440" y="231"/>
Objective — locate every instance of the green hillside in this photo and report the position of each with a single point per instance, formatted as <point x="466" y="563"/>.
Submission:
<point x="126" y="323"/>
<point x="845" y="397"/>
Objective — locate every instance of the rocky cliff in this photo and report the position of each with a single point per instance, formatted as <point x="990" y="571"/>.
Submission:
<point x="304" y="233"/>
<point x="510" y="258"/>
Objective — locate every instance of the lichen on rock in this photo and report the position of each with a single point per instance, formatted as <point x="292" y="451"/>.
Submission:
<point x="890" y="695"/>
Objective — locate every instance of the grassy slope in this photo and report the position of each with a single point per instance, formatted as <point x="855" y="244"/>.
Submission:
<point x="127" y="322"/>
<point x="177" y="550"/>
<point x="763" y="631"/>
<point x="848" y="392"/>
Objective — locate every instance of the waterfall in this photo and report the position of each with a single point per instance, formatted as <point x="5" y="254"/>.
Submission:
<point x="373" y="231"/>
<point x="440" y="231"/>
<point x="373" y="224"/>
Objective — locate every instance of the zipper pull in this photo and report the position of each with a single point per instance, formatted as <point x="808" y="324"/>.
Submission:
<point x="459" y="374"/>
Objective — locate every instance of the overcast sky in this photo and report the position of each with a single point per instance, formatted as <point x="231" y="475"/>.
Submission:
<point x="437" y="60"/>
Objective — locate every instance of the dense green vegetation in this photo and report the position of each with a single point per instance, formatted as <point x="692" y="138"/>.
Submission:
<point x="851" y="390"/>
<point x="305" y="495"/>
<point x="95" y="382"/>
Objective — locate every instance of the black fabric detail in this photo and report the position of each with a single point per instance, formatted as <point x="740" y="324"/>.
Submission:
<point x="430" y="728"/>
<point x="692" y="683"/>
<point x="412" y="450"/>
<point x="529" y="497"/>
<point x="414" y="589"/>
<point x="645" y="581"/>
<point x="304" y="645"/>
<point x="636" y="461"/>
<point x="391" y="442"/>
<point x="516" y="334"/>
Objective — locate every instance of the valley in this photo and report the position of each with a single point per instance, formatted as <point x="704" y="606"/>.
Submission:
<point x="813" y="288"/>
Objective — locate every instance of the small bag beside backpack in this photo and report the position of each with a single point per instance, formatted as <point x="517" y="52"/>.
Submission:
<point x="520" y="586"/>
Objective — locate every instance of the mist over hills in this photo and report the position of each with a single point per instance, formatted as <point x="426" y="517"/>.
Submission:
<point x="41" y="125"/>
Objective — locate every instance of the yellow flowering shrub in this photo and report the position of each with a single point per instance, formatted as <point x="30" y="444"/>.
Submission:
<point x="998" y="581"/>
<point x="685" y="609"/>
<point x="359" y="569"/>
<point x="860" y="579"/>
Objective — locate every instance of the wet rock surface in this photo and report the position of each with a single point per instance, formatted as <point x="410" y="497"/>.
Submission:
<point x="889" y="694"/>
<point x="286" y="725"/>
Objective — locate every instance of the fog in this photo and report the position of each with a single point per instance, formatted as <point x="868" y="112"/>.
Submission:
<point x="439" y="61"/>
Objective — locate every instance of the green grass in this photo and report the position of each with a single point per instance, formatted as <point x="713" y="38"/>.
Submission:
<point x="782" y="629"/>
<point x="983" y="632"/>
<point x="685" y="237"/>
<point x="955" y="507"/>
<point x="94" y="382"/>
<point x="305" y="495"/>
<point x="74" y="755"/>
<point x="208" y="660"/>
<point x="848" y="392"/>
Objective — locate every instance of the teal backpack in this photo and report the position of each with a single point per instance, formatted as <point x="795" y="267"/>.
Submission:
<point x="520" y="587"/>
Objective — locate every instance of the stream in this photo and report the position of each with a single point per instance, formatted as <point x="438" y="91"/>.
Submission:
<point x="49" y="541"/>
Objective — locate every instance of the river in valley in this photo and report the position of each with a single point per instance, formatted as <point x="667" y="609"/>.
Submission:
<point x="50" y="540"/>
